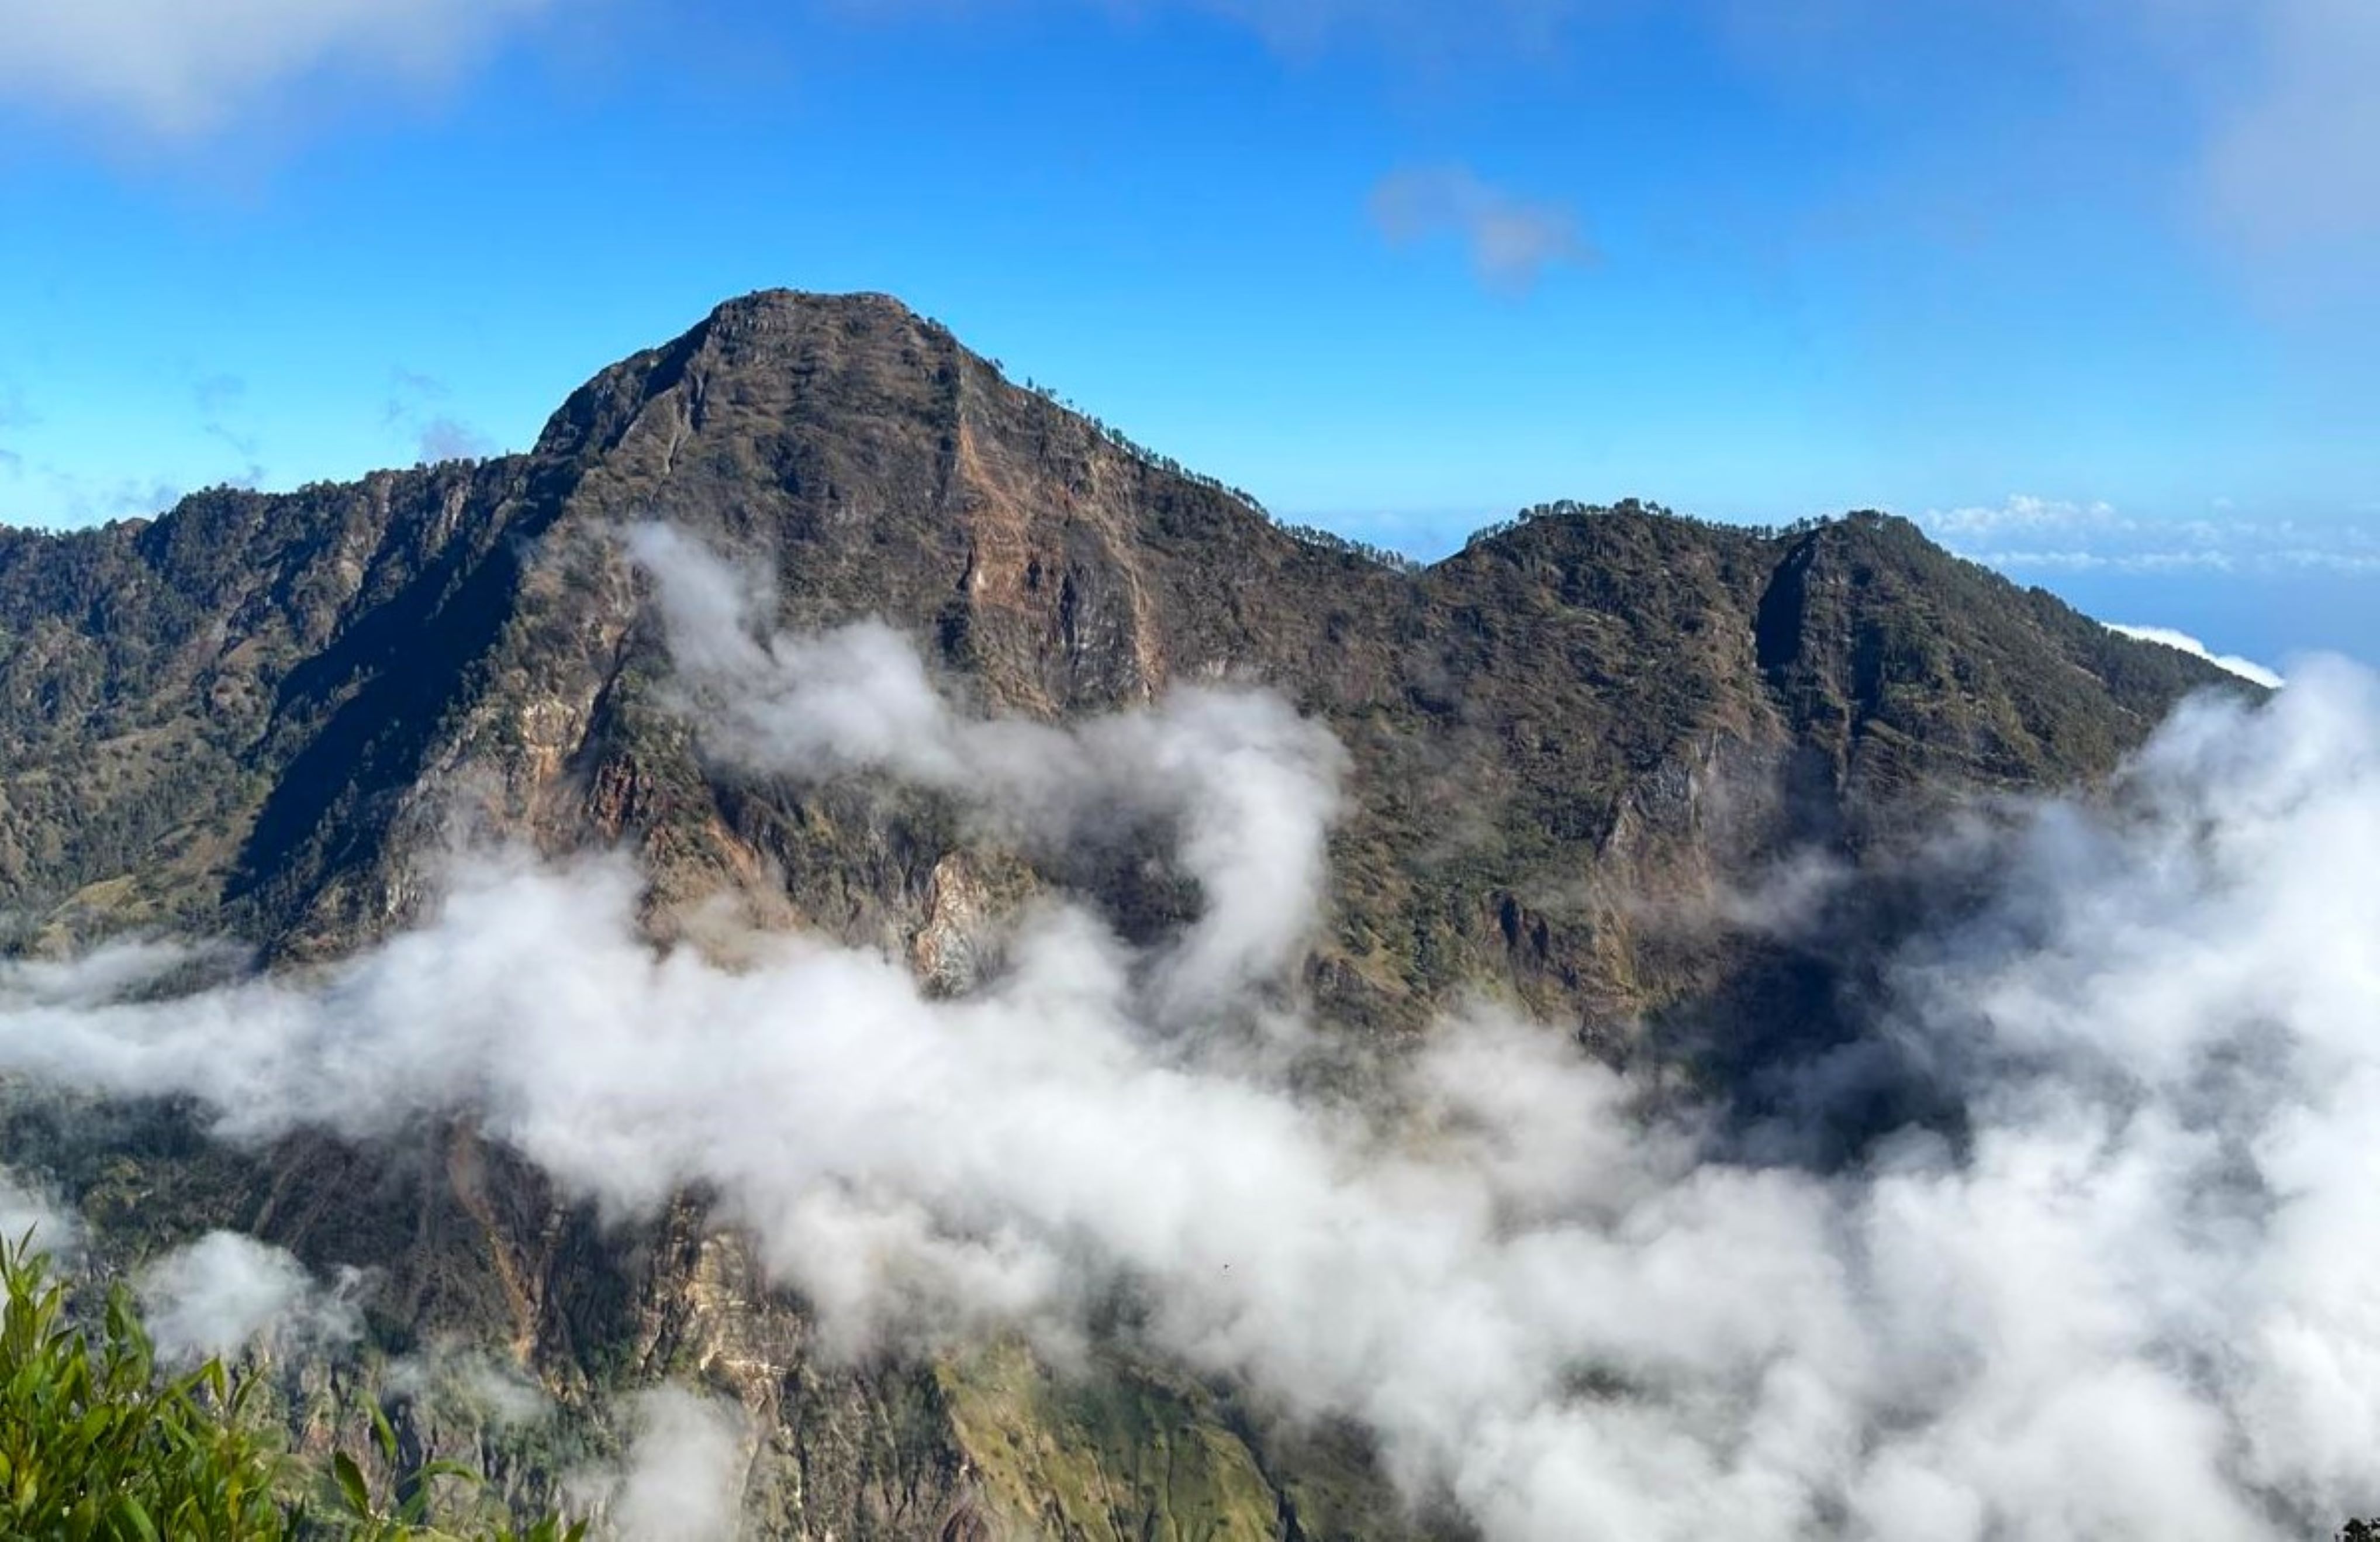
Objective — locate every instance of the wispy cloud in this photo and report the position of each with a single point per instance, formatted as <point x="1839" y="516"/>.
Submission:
<point x="14" y="414"/>
<point x="167" y="70"/>
<point x="2027" y="533"/>
<point x="215" y="393"/>
<point x="1425" y="31"/>
<point x="1512" y="241"/>
<point x="683" y="1478"/>
<point x="415" y="407"/>
<point x="1299" y="25"/>
<point x="2023" y="512"/>
<point x="219" y="397"/>
<point x="29" y="1213"/>
<point x="43" y="493"/>
<point x="2290" y="157"/>
<point x="2276" y="93"/>
<point x="48" y="497"/>
<point x="443" y="438"/>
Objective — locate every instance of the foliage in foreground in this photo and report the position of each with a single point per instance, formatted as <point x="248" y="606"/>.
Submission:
<point x="97" y="1446"/>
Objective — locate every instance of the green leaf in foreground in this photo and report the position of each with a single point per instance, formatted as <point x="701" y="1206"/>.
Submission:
<point x="95" y="1445"/>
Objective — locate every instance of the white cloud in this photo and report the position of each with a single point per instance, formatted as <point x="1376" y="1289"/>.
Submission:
<point x="416" y="407"/>
<point x="465" y="1383"/>
<point x="1248" y="786"/>
<point x="2032" y="534"/>
<point x="2023" y="514"/>
<point x="2246" y="669"/>
<point x="1512" y="241"/>
<point x="224" y="1292"/>
<point x="2128" y="1300"/>
<point x="2288" y="160"/>
<point x="32" y="1217"/>
<point x="443" y="438"/>
<point x="685" y="1475"/>
<point x="167" y="69"/>
<point x="2275" y="93"/>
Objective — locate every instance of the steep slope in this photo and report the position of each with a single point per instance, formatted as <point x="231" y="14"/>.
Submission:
<point x="262" y="715"/>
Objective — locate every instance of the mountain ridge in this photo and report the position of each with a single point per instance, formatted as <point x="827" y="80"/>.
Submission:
<point x="432" y="506"/>
<point x="266" y="716"/>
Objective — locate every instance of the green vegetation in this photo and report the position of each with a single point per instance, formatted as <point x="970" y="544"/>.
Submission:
<point x="1158" y="461"/>
<point x="1331" y="541"/>
<point x="245" y="718"/>
<point x="96" y="1446"/>
<point x="1109" y="1457"/>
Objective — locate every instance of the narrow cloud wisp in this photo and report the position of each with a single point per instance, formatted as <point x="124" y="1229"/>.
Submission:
<point x="1513" y="241"/>
<point x="2131" y="1298"/>
<point x="2246" y="669"/>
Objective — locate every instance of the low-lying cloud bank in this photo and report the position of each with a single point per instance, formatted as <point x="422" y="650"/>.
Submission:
<point x="2129" y="1296"/>
<point x="2034" y="535"/>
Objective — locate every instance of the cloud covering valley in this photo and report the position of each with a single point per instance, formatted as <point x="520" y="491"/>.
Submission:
<point x="2126" y="1291"/>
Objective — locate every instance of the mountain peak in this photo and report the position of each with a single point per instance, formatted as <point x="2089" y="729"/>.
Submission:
<point x="788" y="316"/>
<point x="262" y="717"/>
<point x="855" y="304"/>
<point x="795" y="336"/>
<point x="855" y="453"/>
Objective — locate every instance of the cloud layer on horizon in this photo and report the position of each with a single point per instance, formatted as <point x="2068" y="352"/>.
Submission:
<point x="2030" y="534"/>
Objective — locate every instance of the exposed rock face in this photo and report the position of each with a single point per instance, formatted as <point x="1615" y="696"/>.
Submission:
<point x="260" y="715"/>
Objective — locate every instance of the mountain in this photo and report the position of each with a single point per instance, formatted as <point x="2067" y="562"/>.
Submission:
<point x="265" y="717"/>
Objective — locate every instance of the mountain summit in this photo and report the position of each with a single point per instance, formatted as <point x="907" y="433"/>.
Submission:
<point x="265" y="694"/>
<point x="270" y="717"/>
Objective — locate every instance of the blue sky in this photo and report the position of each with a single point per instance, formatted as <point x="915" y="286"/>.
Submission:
<point x="2083" y="284"/>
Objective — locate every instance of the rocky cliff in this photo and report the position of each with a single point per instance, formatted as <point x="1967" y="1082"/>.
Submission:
<point x="264" y="716"/>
